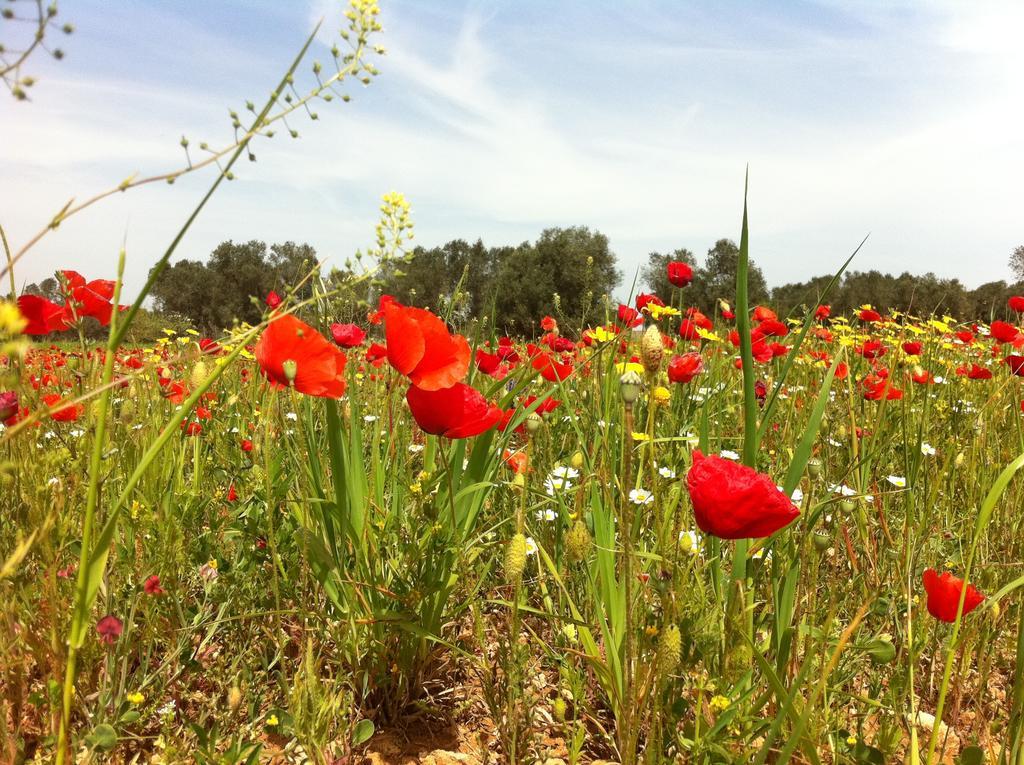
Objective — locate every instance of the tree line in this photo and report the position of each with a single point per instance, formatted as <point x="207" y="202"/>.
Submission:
<point x="565" y="272"/>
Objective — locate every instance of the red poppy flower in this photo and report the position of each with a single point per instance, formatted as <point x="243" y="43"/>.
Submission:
<point x="728" y="315"/>
<point x="273" y="300"/>
<point x="8" y="404"/>
<point x="548" y="324"/>
<point x="679" y="273"/>
<point x="192" y="429"/>
<point x="763" y="352"/>
<point x="109" y="629"/>
<point x="152" y="585"/>
<point x="547" y="405"/>
<point x="558" y="344"/>
<point x="232" y="494"/>
<point x="549" y="369"/>
<point x="944" y="595"/>
<point x="822" y="311"/>
<point x="912" y="349"/>
<point x="487" y="362"/>
<point x="869" y="315"/>
<point x="65" y="412"/>
<point x="773" y="328"/>
<point x="978" y="373"/>
<point x="210" y="346"/>
<point x="965" y="336"/>
<point x="290" y="352"/>
<point x="688" y="330"/>
<point x="629" y="317"/>
<point x="872" y="349"/>
<point x="43" y="316"/>
<point x="246" y="445"/>
<point x="877" y="387"/>
<point x="698" y="318"/>
<point x="376" y="354"/>
<point x="1016" y="364"/>
<point x="643" y="300"/>
<point x="1016" y="303"/>
<point x="518" y="461"/>
<point x="922" y="376"/>
<point x="347" y="335"/>
<point x="764" y="314"/>
<point x="88" y="298"/>
<point x="421" y="347"/>
<point x="733" y="501"/>
<point x="682" y="369"/>
<point x="1002" y="332"/>
<point x="460" y="411"/>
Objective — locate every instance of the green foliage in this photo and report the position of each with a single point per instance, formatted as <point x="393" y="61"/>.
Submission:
<point x="231" y="285"/>
<point x="520" y="284"/>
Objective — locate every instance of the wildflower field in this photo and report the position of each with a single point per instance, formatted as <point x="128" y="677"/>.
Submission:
<point x="641" y="534"/>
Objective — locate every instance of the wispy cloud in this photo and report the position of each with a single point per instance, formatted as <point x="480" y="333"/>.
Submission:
<point x="901" y="119"/>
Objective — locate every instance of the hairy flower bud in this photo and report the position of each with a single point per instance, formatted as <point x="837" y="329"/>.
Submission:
<point x="199" y="373"/>
<point x="558" y="708"/>
<point x="652" y="350"/>
<point x="577" y="542"/>
<point x="234" y="698"/>
<point x="515" y="559"/>
<point x="669" y="650"/>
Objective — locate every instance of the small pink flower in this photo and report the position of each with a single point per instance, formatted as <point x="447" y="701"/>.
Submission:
<point x="152" y="585"/>
<point x="109" y="629"/>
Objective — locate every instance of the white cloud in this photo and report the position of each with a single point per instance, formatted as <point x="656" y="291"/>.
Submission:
<point x="909" y="133"/>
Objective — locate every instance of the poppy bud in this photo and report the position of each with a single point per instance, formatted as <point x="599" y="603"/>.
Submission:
<point x="651" y="350"/>
<point x="959" y="460"/>
<point x="515" y="558"/>
<point x="533" y="422"/>
<point x="576" y="461"/>
<point x="558" y="709"/>
<point x="629" y="387"/>
<point x="577" y="542"/>
<point x="234" y="698"/>
<point x="669" y="650"/>
<point x="881" y="650"/>
<point x="814" y="468"/>
<point x="290" y="369"/>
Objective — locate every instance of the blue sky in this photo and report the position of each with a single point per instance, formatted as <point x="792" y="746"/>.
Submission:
<point x="498" y="119"/>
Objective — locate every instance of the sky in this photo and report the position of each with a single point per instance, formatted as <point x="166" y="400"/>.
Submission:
<point x="898" y="119"/>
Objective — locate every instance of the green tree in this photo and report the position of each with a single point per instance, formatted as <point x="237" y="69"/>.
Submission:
<point x="1017" y="263"/>
<point x="716" y="279"/>
<point x="234" y="282"/>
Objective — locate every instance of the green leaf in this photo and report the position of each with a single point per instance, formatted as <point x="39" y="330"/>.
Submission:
<point x="103" y="738"/>
<point x="971" y="755"/>
<point x="362" y="732"/>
